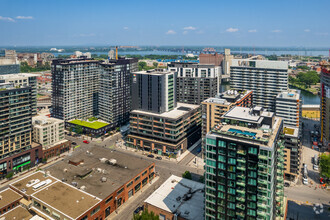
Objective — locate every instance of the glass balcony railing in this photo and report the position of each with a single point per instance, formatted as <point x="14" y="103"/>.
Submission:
<point x="240" y="198"/>
<point x="241" y="168"/>
<point x="262" y="181"/>
<point x="240" y="183"/>
<point x="242" y="192"/>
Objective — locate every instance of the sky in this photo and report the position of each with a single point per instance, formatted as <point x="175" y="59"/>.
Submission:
<point x="257" y="23"/>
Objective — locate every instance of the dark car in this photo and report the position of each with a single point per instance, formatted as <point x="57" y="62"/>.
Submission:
<point x="73" y="143"/>
<point x="151" y="155"/>
<point x="159" y="158"/>
<point x="138" y="210"/>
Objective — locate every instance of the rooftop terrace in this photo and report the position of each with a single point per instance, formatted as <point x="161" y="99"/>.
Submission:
<point x="244" y="126"/>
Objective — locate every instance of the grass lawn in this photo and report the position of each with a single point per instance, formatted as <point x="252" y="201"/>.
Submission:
<point x="93" y="125"/>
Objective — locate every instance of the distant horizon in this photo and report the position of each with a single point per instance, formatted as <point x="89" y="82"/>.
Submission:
<point x="157" y="46"/>
<point x="258" y="23"/>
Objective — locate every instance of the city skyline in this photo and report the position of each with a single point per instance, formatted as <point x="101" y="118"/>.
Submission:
<point x="176" y="23"/>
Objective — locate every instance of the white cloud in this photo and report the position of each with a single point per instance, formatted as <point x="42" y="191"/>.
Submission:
<point x="276" y="31"/>
<point x="125" y="28"/>
<point x="253" y="31"/>
<point x="24" y="17"/>
<point x="6" y="19"/>
<point x="231" y="30"/>
<point x="191" y="28"/>
<point x="170" y="32"/>
<point x="307" y="30"/>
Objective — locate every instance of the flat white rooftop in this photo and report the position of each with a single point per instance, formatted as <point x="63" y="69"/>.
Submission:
<point x="172" y="196"/>
<point x="154" y="72"/>
<point x="180" y="110"/>
<point x="242" y="113"/>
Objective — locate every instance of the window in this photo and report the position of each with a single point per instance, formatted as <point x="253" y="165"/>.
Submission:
<point x="211" y="141"/>
<point x="120" y="191"/>
<point x="144" y="173"/>
<point x="95" y="210"/>
<point x="108" y="200"/>
<point x="137" y="178"/>
<point x="253" y="150"/>
<point x="129" y="184"/>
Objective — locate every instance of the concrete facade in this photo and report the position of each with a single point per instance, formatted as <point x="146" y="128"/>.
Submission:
<point x="266" y="78"/>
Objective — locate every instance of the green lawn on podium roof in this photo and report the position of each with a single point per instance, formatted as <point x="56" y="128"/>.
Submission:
<point x="93" y="125"/>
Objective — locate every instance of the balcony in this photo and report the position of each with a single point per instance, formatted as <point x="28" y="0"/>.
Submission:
<point x="241" y="160"/>
<point x="240" y="183"/>
<point x="261" y="213"/>
<point x="262" y="205"/>
<point x="240" y="198"/>
<point x="241" y="168"/>
<point x="262" y="181"/>
<point x="242" y="192"/>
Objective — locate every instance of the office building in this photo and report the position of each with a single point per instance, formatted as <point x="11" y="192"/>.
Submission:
<point x="17" y="151"/>
<point x="325" y="105"/>
<point x="9" y="69"/>
<point x="288" y="107"/>
<point x="266" y="78"/>
<point x="196" y="82"/>
<point x="115" y="90"/>
<point x="49" y="132"/>
<point x="82" y="88"/>
<point x="214" y="108"/>
<point x="168" y="133"/>
<point x="23" y="80"/>
<point x="177" y="198"/>
<point x="292" y="152"/>
<point x="75" y="87"/>
<point x="244" y="166"/>
<point x="154" y="91"/>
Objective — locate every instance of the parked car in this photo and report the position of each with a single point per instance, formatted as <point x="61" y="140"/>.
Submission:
<point x="151" y="155"/>
<point x="138" y="209"/>
<point x="73" y="143"/>
<point x="305" y="181"/>
<point x="86" y="142"/>
<point x="159" y="158"/>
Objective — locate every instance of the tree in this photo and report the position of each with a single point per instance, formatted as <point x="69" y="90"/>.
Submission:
<point x="325" y="165"/>
<point x="187" y="175"/>
<point x="142" y="65"/>
<point x="10" y="175"/>
<point x="145" y="215"/>
<point x="155" y="64"/>
<point x="78" y="129"/>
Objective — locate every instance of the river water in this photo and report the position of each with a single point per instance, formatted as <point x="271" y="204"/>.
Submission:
<point x="307" y="98"/>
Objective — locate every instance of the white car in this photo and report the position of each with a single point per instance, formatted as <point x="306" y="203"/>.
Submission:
<point x="305" y="181"/>
<point x="315" y="167"/>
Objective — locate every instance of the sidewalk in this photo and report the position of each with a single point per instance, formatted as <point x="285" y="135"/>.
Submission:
<point x="188" y="150"/>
